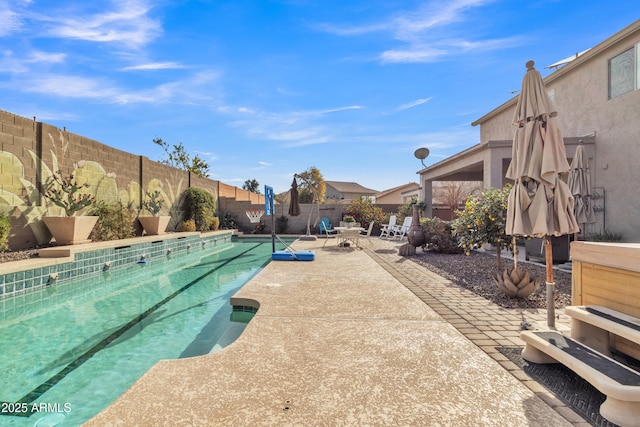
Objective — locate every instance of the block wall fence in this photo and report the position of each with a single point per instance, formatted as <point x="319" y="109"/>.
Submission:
<point x="30" y="151"/>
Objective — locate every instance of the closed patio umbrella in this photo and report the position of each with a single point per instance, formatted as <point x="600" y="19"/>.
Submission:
<point x="540" y="203"/>
<point x="580" y="184"/>
<point x="294" y="205"/>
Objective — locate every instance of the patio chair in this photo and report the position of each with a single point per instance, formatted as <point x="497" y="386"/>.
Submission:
<point x="366" y="234"/>
<point x="401" y="231"/>
<point x="326" y="228"/>
<point x="386" y="229"/>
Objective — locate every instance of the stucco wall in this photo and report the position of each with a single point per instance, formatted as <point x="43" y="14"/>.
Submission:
<point x="581" y="97"/>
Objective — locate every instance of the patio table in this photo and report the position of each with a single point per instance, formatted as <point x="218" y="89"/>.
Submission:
<point x="349" y="234"/>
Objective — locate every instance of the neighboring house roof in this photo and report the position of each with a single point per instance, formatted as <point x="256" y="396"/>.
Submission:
<point x="402" y="188"/>
<point x="350" y="187"/>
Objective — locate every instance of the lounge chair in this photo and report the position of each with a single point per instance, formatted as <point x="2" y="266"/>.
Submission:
<point x="401" y="231"/>
<point x="387" y="229"/>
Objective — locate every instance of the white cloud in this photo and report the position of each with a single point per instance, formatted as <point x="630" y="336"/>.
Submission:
<point x="127" y="23"/>
<point x="9" y="21"/>
<point x="413" y="54"/>
<point x="154" y="66"/>
<point x="38" y="56"/>
<point x="413" y="104"/>
<point x="70" y="87"/>
<point x="420" y="32"/>
<point x="185" y="91"/>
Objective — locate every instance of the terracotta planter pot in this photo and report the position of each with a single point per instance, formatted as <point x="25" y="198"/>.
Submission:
<point x="154" y="225"/>
<point x="70" y="230"/>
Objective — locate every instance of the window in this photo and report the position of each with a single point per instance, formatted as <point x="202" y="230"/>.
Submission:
<point x="624" y="72"/>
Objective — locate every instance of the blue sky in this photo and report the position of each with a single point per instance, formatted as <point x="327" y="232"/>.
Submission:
<point x="264" y="89"/>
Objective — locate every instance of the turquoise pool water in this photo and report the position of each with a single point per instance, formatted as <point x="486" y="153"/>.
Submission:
<point x="70" y="350"/>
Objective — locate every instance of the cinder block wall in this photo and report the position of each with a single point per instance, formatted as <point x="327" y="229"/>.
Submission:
<point x="30" y="151"/>
<point x="295" y="224"/>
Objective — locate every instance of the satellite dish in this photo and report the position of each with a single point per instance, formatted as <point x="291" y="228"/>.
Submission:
<point x="421" y="153"/>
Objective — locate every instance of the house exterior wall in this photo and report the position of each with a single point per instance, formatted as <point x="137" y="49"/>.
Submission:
<point x="580" y="96"/>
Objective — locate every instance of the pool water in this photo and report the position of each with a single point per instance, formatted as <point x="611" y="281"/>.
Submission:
<point x="70" y="350"/>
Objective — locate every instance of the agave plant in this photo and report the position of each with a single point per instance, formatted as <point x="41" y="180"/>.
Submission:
<point x="516" y="283"/>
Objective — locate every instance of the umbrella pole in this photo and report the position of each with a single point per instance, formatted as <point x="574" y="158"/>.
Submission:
<point x="551" y="285"/>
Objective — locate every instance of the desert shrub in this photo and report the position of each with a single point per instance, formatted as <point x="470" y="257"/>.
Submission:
<point x="364" y="212"/>
<point x="187" y="225"/>
<point x="215" y="223"/>
<point x="200" y="207"/>
<point x="115" y="221"/>
<point x="282" y="223"/>
<point x="438" y="237"/>
<point x="5" y="229"/>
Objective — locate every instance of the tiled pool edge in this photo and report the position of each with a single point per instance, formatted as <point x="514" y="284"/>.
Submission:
<point x="77" y="261"/>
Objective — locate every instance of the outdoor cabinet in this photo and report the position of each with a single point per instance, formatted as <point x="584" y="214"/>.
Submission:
<point x="534" y="249"/>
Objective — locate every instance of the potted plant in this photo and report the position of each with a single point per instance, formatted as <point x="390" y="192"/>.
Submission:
<point x="348" y="220"/>
<point x="65" y="192"/>
<point x="156" y="223"/>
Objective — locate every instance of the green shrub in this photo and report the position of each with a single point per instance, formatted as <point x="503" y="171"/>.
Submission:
<point x="115" y="222"/>
<point x="5" y="229"/>
<point x="200" y="207"/>
<point x="282" y="223"/>
<point x="187" y="225"/>
<point x="215" y="223"/>
<point x="438" y="237"/>
<point x="364" y="212"/>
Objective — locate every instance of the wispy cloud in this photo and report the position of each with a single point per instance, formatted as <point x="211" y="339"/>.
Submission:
<point x="154" y="66"/>
<point x="420" y="32"/>
<point x="292" y="129"/>
<point x="413" y="104"/>
<point x="9" y="21"/>
<point x="189" y="90"/>
<point x="39" y="56"/>
<point x="127" y="23"/>
<point x="309" y="113"/>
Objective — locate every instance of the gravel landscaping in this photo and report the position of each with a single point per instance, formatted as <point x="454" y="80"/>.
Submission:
<point x="474" y="272"/>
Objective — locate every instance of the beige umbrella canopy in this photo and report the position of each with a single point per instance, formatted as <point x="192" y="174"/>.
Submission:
<point x="540" y="203"/>
<point x="580" y="185"/>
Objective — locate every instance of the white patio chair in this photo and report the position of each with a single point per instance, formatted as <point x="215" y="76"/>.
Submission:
<point x="386" y="229"/>
<point x="401" y="231"/>
<point x="366" y="234"/>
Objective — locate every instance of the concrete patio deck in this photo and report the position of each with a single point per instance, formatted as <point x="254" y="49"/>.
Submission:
<point x="356" y="337"/>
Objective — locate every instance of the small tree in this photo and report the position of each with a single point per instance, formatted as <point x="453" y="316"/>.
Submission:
<point x="311" y="181"/>
<point x="177" y="157"/>
<point x="251" y="185"/>
<point x="483" y="220"/>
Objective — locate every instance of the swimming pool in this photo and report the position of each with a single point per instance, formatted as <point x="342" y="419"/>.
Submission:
<point x="68" y="351"/>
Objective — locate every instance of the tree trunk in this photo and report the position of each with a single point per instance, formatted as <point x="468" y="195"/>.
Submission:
<point x="498" y="257"/>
